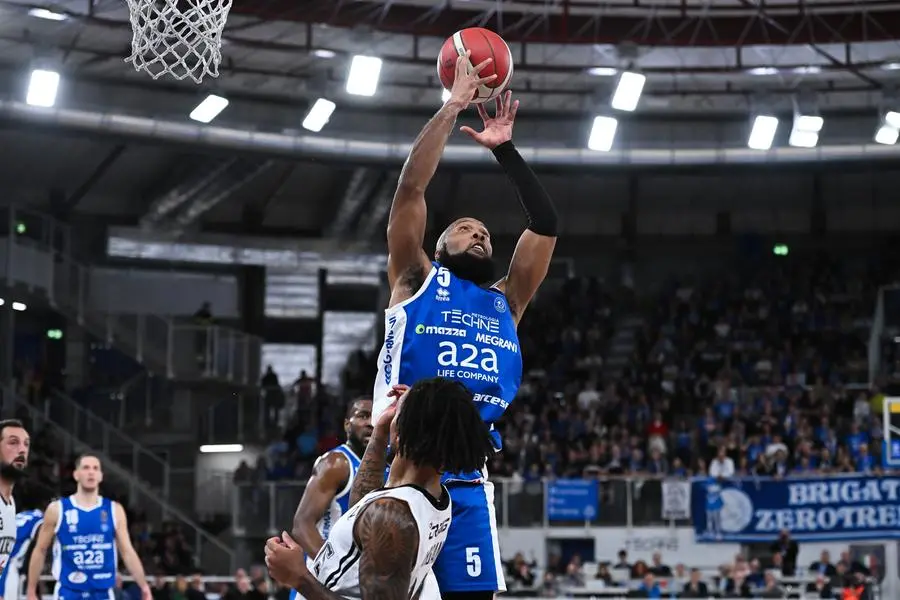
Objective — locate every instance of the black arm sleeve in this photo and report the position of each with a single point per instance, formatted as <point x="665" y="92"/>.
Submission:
<point x="539" y="209"/>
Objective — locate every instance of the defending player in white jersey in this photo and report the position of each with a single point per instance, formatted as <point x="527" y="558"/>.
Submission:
<point x="385" y="546"/>
<point x="88" y="532"/>
<point x="14" y="446"/>
<point x="28" y="523"/>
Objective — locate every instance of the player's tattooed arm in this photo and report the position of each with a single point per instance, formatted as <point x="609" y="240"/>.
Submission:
<point x="387" y="534"/>
<point x="370" y="474"/>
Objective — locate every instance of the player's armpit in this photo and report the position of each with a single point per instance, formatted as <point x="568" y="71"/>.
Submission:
<point x="329" y="477"/>
<point x="388" y="537"/>
<point x="527" y="270"/>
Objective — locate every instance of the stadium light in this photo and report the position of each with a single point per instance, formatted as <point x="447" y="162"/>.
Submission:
<point x="209" y="109"/>
<point x="221" y="448"/>
<point x="603" y="133"/>
<point x="365" y="71"/>
<point x="807" y="123"/>
<point x="889" y="130"/>
<point x="2" y="302"/>
<point x="628" y="91"/>
<point x="602" y="71"/>
<point x="49" y="15"/>
<point x="762" y="134"/>
<point x="318" y="115"/>
<point x="18" y="306"/>
<point x="42" y="88"/>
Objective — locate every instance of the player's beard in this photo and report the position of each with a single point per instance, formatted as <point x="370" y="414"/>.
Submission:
<point x="465" y="265"/>
<point x="11" y="472"/>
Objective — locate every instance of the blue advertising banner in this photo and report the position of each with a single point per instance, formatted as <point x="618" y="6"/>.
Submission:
<point x="814" y="508"/>
<point x="572" y="499"/>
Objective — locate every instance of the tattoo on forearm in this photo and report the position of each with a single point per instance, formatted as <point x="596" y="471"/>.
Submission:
<point x="387" y="534"/>
<point x="370" y="475"/>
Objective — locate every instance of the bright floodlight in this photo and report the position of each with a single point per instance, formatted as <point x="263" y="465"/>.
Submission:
<point x="603" y="133"/>
<point x="42" y="88"/>
<point x="209" y="109"/>
<point x="221" y="448"/>
<point x="887" y="135"/>
<point x="805" y="130"/>
<point x="318" y="115"/>
<point x="628" y="91"/>
<point x="364" y="74"/>
<point x="18" y="306"/>
<point x="445" y="94"/>
<point x="602" y="71"/>
<point x="49" y="15"/>
<point x="892" y="118"/>
<point x="763" y="132"/>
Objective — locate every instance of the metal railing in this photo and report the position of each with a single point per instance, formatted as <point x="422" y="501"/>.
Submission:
<point x="212" y="554"/>
<point x="268" y="508"/>
<point x="34" y="255"/>
<point x="103" y="437"/>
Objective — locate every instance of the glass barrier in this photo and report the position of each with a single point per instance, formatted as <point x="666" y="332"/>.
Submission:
<point x="34" y="256"/>
<point x="268" y="508"/>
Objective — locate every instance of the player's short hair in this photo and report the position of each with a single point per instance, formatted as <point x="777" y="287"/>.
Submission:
<point x="81" y="457"/>
<point x="351" y="406"/>
<point x="440" y="427"/>
<point x="10" y="423"/>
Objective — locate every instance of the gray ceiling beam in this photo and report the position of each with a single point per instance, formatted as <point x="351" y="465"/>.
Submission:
<point x="72" y="201"/>
<point x="240" y="174"/>
<point x="195" y="184"/>
<point x="357" y="194"/>
<point x="379" y="208"/>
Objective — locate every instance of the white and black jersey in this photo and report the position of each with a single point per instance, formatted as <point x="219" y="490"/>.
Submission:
<point x="7" y="530"/>
<point x="337" y="564"/>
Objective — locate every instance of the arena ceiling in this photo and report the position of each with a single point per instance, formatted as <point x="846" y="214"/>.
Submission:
<point x="118" y="141"/>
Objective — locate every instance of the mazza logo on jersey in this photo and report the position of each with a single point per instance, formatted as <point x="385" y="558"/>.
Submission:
<point x="433" y="330"/>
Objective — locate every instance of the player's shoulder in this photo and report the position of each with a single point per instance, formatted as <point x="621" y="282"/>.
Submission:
<point x="335" y="460"/>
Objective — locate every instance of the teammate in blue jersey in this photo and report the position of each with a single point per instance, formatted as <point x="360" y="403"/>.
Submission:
<point x="87" y="532"/>
<point x="28" y="523"/>
<point x="327" y="493"/>
<point x="452" y="318"/>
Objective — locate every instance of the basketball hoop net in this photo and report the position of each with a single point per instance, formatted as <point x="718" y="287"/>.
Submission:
<point x="182" y="38"/>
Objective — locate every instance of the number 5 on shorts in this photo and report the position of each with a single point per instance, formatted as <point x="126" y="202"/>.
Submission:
<point x="473" y="562"/>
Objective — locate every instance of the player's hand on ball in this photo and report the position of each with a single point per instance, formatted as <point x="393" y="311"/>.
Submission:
<point x="284" y="558"/>
<point x="467" y="80"/>
<point x="499" y="128"/>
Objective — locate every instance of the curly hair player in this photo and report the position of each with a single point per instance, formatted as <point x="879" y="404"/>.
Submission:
<point x="386" y="544"/>
<point x="451" y="318"/>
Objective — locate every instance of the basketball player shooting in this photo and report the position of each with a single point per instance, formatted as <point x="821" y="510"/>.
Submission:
<point x="451" y="318"/>
<point x="385" y="545"/>
<point x="89" y="532"/>
<point x="15" y="444"/>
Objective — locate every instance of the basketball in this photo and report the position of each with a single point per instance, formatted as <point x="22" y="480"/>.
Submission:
<point x="484" y="44"/>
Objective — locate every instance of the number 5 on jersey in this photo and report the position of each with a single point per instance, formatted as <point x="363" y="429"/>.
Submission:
<point x="473" y="562"/>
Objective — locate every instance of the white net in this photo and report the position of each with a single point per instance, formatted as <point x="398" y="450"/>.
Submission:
<point x="182" y="38"/>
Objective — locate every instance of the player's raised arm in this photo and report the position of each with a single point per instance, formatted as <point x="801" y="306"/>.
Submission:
<point x="531" y="258"/>
<point x="126" y="550"/>
<point x="370" y="475"/>
<point x="41" y="546"/>
<point x="406" y="224"/>
<point x="329" y="476"/>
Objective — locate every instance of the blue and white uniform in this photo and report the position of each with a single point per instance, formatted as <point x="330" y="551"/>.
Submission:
<point x="84" y="551"/>
<point x="341" y="502"/>
<point x="455" y="329"/>
<point x="27" y="525"/>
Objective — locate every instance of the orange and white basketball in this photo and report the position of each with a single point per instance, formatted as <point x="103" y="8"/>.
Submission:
<point x="484" y="44"/>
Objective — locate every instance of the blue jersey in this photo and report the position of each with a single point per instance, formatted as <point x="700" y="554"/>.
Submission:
<point x="341" y="501"/>
<point x="455" y="329"/>
<point x="27" y="524"/>
<point x="84" y="552"/>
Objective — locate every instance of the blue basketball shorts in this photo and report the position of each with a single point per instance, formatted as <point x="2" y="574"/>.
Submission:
<point x="64" y="593"/>
<point x="470" y="560"/>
